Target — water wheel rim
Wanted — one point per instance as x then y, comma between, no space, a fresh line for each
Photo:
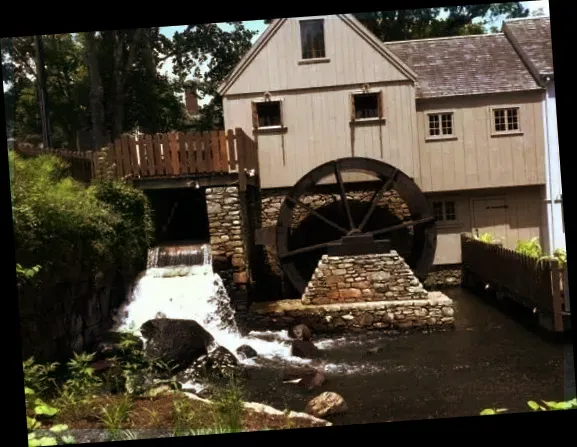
425,230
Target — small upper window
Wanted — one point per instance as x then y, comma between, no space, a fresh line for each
445,211
268,114
506,120
366,106
441,124
312,39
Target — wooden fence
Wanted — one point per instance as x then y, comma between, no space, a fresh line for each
164,155
536,284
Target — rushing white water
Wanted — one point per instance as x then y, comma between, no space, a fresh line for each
195,292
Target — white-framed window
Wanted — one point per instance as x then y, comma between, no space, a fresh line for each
445,210
440,124
506,119
312,39
367,106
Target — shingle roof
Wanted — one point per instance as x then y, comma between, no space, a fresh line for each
465,65
533,37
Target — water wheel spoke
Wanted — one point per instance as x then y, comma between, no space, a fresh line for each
344,195
303,250
403,225
317,214
376,197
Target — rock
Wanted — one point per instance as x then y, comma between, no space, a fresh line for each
304,349
374,350
177,343
218,364
246,351
300,332
326,404
308,378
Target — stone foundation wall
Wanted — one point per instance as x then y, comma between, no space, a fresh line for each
229,237
442,277
433,313
61,318
377,277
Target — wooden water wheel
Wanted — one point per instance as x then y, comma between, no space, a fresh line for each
355,224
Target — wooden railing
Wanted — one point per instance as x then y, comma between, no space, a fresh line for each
535,283
164,155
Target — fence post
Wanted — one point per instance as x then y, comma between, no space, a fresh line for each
557,304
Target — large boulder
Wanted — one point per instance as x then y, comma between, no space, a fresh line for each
178,343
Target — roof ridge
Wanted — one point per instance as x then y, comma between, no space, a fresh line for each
444,38
520,19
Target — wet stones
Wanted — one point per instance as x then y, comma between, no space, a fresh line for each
305,349
246,352
300,332
308,378
218,364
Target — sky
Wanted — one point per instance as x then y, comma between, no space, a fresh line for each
259,26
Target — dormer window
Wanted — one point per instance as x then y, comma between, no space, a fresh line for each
312,39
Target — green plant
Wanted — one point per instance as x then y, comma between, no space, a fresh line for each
533,405
229,405
487,238
39,377
26,274
82,382
116,414
531,248
44,412
184,417
55,436
561,256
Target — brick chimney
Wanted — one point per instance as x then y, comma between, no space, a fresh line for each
191,100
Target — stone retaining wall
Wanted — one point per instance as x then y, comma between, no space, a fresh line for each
443,276
376,277
229,237
433,313
62,318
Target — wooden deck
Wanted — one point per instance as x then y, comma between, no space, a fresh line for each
166,160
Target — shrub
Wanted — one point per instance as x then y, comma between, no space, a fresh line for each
63,226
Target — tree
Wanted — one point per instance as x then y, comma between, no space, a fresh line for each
218,51
438,22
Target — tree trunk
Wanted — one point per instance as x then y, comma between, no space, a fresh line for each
122,67
96,91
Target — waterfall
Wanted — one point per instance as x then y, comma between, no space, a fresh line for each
180,283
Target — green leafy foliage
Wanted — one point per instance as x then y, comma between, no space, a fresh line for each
82,382
38,378
535,406
446,21
109,224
